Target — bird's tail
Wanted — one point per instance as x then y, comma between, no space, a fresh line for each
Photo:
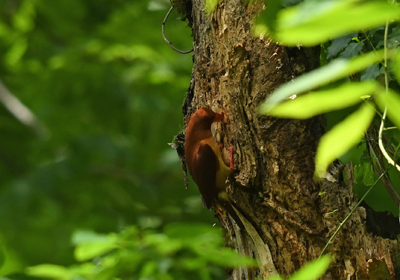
227,205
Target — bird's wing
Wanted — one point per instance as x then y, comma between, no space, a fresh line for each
205,166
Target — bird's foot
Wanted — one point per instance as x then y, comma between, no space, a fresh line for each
231,158
218,117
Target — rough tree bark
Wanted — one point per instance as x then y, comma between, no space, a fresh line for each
289,217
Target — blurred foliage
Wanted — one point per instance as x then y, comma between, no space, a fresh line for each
179,251
101,80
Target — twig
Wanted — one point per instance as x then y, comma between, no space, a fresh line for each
379,164
382,126
349,215
165,38
21,112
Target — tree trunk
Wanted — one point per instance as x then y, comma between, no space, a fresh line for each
289,217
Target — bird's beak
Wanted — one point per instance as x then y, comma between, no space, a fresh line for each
218,117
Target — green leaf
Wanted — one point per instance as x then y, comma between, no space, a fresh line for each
364,174
276,277
24,18
87,236
89,251
269,16
396,66
86,268
228,258
342,137
16,52
336,70
193,263
391,100
394,38
339,44
313,270
149,269
371,73
296,25
315,103
91,244
163,243
49,271
352,50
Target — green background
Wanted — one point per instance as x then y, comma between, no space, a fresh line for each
108,91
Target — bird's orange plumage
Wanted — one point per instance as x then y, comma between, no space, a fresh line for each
205,162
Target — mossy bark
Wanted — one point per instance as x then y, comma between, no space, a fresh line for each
289,217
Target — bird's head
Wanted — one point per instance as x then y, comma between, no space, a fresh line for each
204,117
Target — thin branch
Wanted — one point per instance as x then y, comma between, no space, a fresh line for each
378,165
349,215
21,112
165,38
382,126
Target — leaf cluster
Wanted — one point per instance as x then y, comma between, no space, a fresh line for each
178,252
357,84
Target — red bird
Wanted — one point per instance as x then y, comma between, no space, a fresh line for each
205,163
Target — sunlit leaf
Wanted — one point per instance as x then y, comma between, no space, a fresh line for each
84,268
162,243
342,137
148,269
276,277
336,70
390,100
23,19
149,222
396,66
315,103
193,263
89,251
313,270
87,236
15,53
296,25
91,245
49,271
228,258
269,16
